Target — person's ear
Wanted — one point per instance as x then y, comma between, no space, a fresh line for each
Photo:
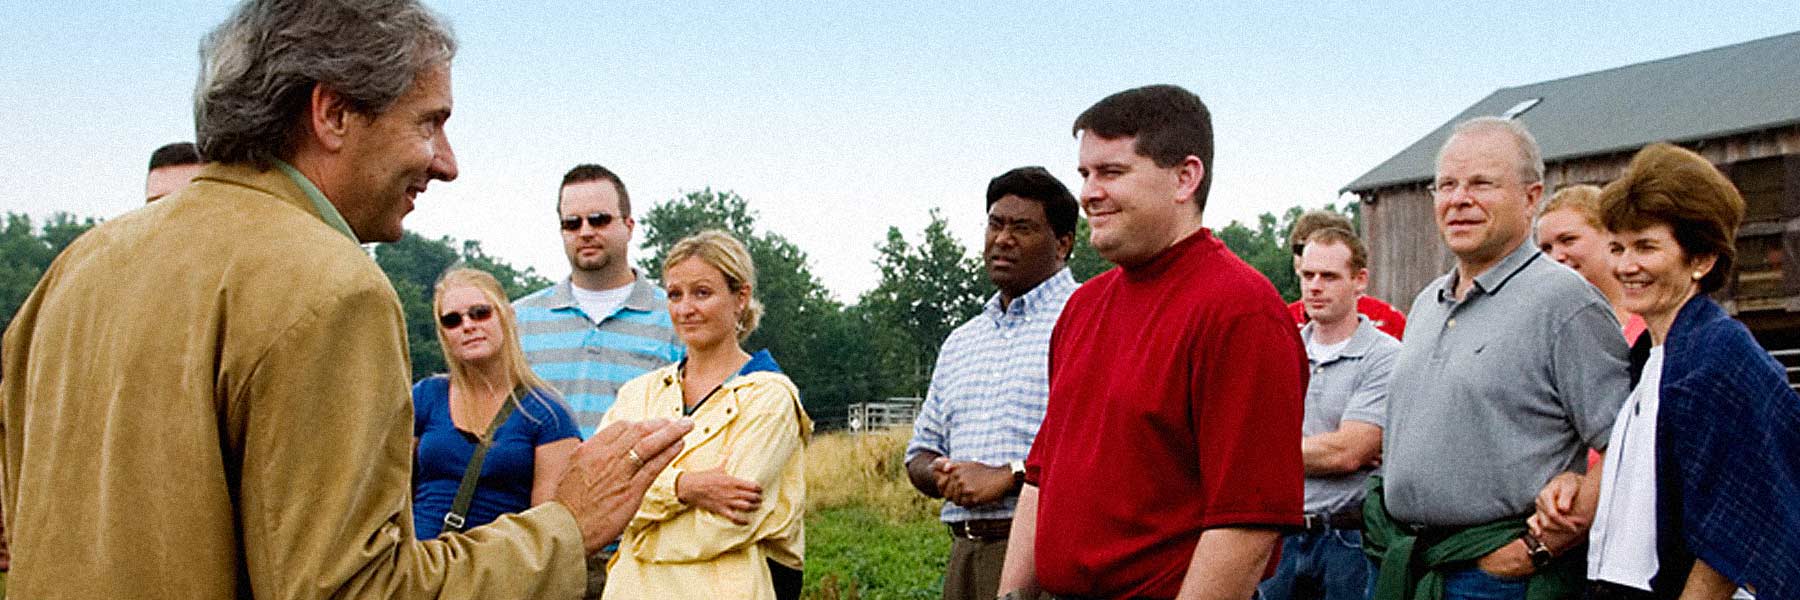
328,117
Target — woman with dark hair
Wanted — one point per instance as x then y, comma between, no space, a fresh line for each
1700,490
726,519
490,405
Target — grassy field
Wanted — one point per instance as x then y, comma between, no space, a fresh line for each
869,535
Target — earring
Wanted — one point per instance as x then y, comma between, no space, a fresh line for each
1698,275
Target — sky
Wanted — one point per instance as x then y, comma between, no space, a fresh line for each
838,120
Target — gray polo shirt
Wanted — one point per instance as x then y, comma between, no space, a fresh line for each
1494,395
1351,386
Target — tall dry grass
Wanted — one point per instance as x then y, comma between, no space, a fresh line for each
868,470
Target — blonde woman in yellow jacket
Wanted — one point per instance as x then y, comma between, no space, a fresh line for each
726,519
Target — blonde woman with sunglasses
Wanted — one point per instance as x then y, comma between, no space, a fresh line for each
490,398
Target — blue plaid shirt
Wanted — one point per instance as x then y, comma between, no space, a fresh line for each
990,387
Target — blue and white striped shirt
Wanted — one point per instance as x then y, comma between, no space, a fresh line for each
990,387
587,359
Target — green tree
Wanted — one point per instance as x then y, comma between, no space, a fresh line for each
1266,248
1085,263
926,290
62,229
26,252
694,212
413,265
818,345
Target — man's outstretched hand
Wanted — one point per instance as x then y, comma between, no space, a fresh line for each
609,473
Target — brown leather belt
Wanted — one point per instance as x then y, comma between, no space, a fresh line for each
1347,520
985,530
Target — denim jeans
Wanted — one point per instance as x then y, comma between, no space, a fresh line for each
1475,584
1327,564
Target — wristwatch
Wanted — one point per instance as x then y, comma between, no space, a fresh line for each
1540,554
1018,473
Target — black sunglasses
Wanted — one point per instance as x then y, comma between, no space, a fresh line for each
597,220
477,313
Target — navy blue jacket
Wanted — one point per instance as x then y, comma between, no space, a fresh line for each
1727,458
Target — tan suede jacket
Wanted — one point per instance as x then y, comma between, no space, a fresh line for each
207,398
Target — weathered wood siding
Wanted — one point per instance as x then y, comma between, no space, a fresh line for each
1405,252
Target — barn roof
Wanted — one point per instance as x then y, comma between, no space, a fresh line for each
1707,94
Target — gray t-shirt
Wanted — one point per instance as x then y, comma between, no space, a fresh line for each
1349,383
1494,395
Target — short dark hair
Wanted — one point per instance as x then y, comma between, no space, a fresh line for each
586,172
1170,124
174,155
1038,185
1359,254
1671,185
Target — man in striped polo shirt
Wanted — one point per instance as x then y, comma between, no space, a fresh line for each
988,391
605,324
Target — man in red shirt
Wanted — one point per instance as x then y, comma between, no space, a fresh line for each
1169,460
1382,314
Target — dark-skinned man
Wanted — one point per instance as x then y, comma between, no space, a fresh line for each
990,386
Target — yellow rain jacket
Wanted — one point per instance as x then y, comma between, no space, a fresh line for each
756,424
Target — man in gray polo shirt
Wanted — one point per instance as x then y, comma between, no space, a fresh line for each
1511,369
1346,405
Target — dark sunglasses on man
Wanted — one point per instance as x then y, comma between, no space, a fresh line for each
598,220
476,313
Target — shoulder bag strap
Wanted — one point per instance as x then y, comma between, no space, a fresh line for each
465,493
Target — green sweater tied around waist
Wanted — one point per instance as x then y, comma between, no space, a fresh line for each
1413,566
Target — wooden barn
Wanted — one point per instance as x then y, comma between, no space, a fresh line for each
1738,105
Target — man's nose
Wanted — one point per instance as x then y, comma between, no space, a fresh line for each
443,161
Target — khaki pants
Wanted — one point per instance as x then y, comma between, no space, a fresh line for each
973,572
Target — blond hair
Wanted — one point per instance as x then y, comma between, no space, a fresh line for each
721,251
511,354
1583,199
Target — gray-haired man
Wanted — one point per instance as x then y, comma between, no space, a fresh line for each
208,398
1511,369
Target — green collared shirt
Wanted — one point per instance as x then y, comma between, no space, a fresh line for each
326,211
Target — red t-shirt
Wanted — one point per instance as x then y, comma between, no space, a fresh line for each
1176,392
1382,314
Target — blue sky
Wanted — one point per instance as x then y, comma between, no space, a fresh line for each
838,120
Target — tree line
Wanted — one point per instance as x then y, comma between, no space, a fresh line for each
882,345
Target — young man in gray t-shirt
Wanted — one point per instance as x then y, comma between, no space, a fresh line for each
1346,406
